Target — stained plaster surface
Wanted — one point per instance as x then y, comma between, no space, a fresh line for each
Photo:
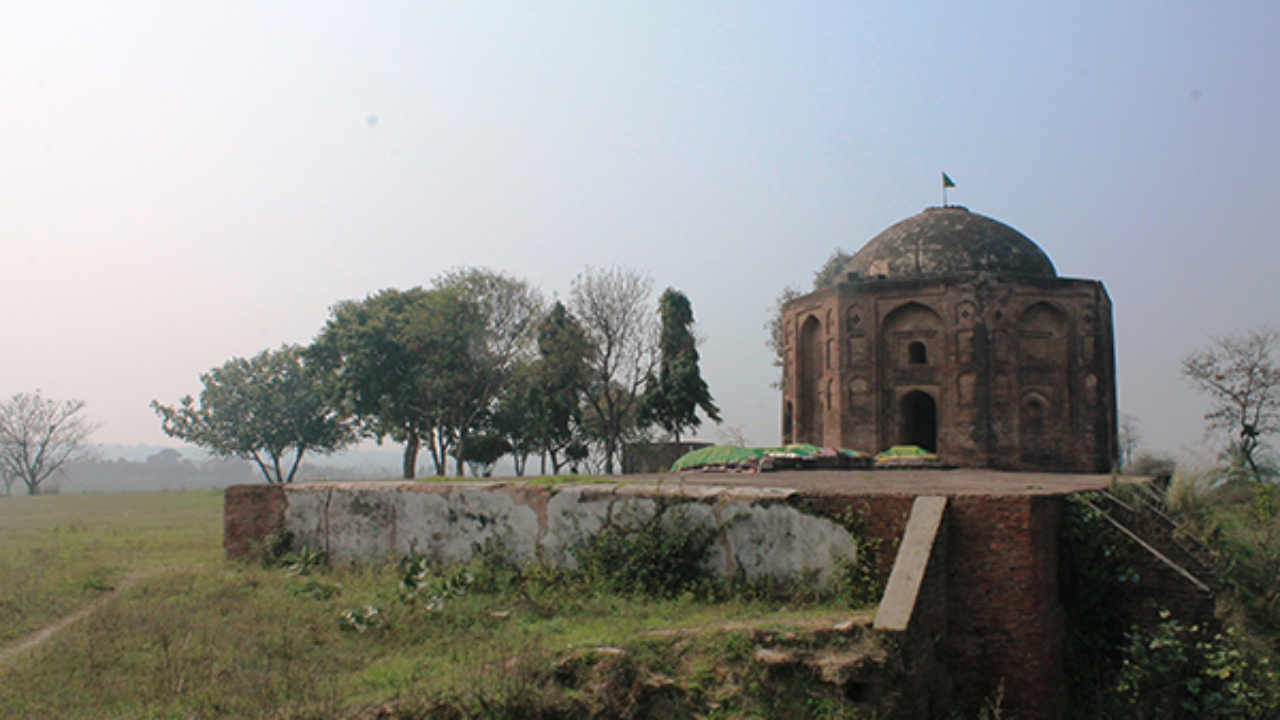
762,534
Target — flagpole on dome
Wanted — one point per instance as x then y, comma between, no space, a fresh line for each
946,183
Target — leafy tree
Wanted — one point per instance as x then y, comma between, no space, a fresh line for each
428,365
776,340
400,361
38,436
515,417
672,399
558,377
482,450
540,410
611,306
267,409
832,271
508,311
1240,374
454,380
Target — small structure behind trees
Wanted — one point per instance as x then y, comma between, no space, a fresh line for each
38,437
268,409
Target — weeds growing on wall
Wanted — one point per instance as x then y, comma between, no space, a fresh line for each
660,554
1095,574
861,576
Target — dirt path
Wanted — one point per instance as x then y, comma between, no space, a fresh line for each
39,637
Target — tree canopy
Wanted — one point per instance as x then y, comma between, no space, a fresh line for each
428,365
673,398
392,362
268,409
559,376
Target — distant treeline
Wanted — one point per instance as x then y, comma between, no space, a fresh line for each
168,469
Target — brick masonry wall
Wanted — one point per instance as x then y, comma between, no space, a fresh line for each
884,518
250,514
1006,621
1006,618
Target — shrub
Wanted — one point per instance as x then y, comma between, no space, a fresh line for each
663,554
1177,672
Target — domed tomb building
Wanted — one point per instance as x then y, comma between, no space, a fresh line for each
953,332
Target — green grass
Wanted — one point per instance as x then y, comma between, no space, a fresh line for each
205,637
59,552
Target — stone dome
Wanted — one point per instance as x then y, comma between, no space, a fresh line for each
949,240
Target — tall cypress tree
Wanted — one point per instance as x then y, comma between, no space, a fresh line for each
673,398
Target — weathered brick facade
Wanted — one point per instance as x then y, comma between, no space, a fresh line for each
250,514
1005,617
953,332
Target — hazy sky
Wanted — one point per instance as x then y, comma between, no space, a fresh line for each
184,182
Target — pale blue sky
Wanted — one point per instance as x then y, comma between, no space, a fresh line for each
181,183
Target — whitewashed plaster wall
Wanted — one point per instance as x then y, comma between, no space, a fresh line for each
762,534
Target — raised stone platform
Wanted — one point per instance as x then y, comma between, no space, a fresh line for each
971,556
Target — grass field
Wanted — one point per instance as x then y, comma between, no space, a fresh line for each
59,552
198,636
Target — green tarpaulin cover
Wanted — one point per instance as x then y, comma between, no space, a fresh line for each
905,451
717,455
735,455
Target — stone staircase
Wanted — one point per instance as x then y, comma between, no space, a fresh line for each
1176,571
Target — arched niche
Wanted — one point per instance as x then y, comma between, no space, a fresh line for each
912,334
809,366
1043,337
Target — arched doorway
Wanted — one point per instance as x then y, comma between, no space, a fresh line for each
808,376
919,413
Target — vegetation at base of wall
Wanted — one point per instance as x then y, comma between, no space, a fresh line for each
861,578
1095,573
1172,670
1240,520
1175,672
660,554
293,637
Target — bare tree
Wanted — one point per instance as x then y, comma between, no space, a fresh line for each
1130,437
38,436
1240,375
613,308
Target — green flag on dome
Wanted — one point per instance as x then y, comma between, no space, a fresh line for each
947,181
